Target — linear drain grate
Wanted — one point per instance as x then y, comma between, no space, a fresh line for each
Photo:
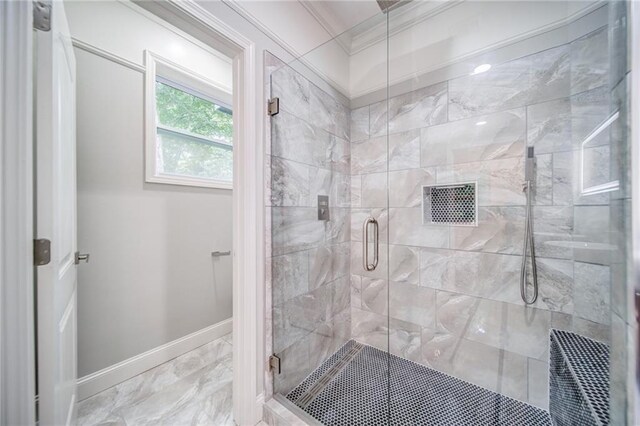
307,397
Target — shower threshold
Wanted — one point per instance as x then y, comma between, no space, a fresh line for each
351,388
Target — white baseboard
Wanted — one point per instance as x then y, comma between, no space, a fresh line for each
107,377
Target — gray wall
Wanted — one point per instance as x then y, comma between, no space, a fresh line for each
454,291
151,278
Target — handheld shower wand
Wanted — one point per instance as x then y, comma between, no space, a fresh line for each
528,234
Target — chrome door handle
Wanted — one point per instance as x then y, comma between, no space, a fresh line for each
220,253
365,244
81,258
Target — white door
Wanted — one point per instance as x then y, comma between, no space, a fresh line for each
56,220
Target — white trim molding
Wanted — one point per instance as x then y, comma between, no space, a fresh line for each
248,212
17,348
107,377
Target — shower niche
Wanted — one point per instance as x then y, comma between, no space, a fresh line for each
451,204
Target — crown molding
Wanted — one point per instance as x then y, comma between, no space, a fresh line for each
320,13
402,19
236,5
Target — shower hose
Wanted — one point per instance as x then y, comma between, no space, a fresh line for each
528,243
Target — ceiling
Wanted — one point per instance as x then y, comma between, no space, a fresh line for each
303,25
426,35
339,16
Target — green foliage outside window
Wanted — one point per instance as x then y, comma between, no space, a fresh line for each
186,156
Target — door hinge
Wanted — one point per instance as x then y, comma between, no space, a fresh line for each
37,411
41,252
42,15
274,364
273,106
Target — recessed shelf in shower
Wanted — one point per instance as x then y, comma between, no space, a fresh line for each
450,204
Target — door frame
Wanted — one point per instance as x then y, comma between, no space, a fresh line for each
17,334
17,339
248,213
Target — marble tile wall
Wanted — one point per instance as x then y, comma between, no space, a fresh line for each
309,259
452,293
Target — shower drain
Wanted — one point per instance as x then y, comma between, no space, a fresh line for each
306,398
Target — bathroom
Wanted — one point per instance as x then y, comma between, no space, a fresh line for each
433,219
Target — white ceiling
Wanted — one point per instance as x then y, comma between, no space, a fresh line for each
302,25
339,16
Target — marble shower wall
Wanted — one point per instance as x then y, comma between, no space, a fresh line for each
454,300
309,259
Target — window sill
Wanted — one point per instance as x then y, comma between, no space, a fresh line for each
190,181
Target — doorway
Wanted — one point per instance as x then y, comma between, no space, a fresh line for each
154,173
155,161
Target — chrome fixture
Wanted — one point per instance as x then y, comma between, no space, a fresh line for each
387,5
220,253
78,257
41,252
365,244
528,235
323,207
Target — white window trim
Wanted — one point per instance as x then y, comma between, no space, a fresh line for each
156,66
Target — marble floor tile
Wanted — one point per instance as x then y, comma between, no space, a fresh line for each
194,388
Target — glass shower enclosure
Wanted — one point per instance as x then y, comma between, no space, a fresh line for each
407,157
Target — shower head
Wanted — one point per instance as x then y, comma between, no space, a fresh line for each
387,5
529,165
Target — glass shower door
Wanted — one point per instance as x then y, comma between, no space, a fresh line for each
327,206
489,121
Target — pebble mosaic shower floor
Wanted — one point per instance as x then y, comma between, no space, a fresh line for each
357,393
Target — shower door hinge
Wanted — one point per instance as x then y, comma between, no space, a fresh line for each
274,364
42,15
41,252
273,106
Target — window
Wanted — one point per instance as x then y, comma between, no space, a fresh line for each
189,128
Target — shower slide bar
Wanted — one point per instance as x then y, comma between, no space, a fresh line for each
528,234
